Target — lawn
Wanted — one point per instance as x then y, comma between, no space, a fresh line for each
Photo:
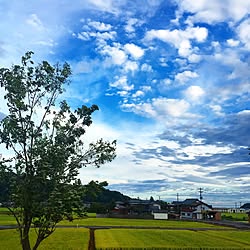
170,239
136,222
61,239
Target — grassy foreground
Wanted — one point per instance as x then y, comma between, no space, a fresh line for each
170,239
61,239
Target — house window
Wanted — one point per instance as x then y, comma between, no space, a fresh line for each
183,214
188,214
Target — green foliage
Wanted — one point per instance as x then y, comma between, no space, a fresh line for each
47,145
234,216
101,199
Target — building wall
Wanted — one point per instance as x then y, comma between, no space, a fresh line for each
160,216
188,215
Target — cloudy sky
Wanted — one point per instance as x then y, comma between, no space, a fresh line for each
171,79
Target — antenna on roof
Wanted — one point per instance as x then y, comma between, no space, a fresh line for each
177,197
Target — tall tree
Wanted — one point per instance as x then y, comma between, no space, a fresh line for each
47,145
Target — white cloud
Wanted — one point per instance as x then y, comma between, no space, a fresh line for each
135,51
185,76
122,83
213,10
185,48
146,88
132,23
244,34
194,58
233,43
181,40
194,93
176,37
130,66
146,67
117,55
100,26
171,107
217,109
160,108
107,5
35,22
138,93
206,150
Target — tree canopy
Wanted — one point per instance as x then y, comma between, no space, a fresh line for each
47,145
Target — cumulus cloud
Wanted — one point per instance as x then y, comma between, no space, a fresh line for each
194,93
185,76
146,67
160,108
117,55
122,84
130,66
135,51
176,37
214,11
233,43
243,33
100,26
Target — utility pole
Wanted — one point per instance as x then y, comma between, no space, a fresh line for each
201,191
201,198
178,208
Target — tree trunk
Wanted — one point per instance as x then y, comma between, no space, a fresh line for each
38,241
26,243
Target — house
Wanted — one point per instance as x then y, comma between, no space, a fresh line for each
190,209
245,207
194,209
136,207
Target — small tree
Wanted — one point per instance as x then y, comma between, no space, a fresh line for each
48,148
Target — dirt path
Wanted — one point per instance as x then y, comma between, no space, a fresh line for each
91,239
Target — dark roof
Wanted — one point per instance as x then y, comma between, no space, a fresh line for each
190,202
246,206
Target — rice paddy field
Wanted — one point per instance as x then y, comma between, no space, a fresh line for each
136,223
170,239
179,235
61,239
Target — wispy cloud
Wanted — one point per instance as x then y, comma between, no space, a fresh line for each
171,79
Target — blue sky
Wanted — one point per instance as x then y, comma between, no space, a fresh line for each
171,79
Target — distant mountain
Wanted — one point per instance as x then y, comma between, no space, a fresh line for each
107,196
96,192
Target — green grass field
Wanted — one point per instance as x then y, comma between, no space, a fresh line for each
136,222
6,219
61,239
170,239
235,216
